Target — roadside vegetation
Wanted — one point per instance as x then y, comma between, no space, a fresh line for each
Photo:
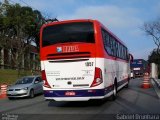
152,29
19,29
9,76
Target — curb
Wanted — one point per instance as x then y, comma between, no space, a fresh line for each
156,87
157,82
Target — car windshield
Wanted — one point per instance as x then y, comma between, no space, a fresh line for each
25,80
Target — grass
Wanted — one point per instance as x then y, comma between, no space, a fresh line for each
9,76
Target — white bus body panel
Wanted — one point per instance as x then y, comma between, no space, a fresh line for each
59,74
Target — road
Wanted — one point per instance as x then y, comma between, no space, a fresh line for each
132,100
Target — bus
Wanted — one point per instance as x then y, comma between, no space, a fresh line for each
82,60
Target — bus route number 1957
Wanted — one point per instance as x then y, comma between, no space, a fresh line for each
89,64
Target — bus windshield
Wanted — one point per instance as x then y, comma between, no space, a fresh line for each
68,32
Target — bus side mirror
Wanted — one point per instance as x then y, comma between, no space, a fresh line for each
131,58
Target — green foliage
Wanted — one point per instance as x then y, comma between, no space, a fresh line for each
154,57
19,22
10,76
152,29
19,27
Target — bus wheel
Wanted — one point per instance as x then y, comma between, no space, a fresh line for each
114,95
126,86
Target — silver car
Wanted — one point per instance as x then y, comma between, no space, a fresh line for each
26,86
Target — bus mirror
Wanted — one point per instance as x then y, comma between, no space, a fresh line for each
131,58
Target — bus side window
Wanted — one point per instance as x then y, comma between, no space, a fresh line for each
117,54
114,47
108,45
107,42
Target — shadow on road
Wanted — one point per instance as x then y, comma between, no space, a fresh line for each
76,103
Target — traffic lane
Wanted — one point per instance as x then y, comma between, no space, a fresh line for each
17,103
140,100
130,100
39,106
53,107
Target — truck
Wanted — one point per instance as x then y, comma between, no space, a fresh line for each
139,67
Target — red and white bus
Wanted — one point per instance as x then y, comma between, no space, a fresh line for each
82,60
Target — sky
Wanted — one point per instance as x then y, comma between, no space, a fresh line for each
125,18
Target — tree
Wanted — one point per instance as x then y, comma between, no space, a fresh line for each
15,21
39,21
153,29
19,27
154,57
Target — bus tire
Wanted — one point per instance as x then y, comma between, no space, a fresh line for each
114,95
127,85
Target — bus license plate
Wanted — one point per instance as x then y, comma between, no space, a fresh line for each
68,93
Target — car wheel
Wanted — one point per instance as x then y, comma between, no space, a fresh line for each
32,93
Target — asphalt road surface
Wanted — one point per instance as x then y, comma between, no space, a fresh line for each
131,103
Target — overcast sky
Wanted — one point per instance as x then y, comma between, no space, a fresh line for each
123,17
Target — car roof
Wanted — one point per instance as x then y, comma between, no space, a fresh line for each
33,76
